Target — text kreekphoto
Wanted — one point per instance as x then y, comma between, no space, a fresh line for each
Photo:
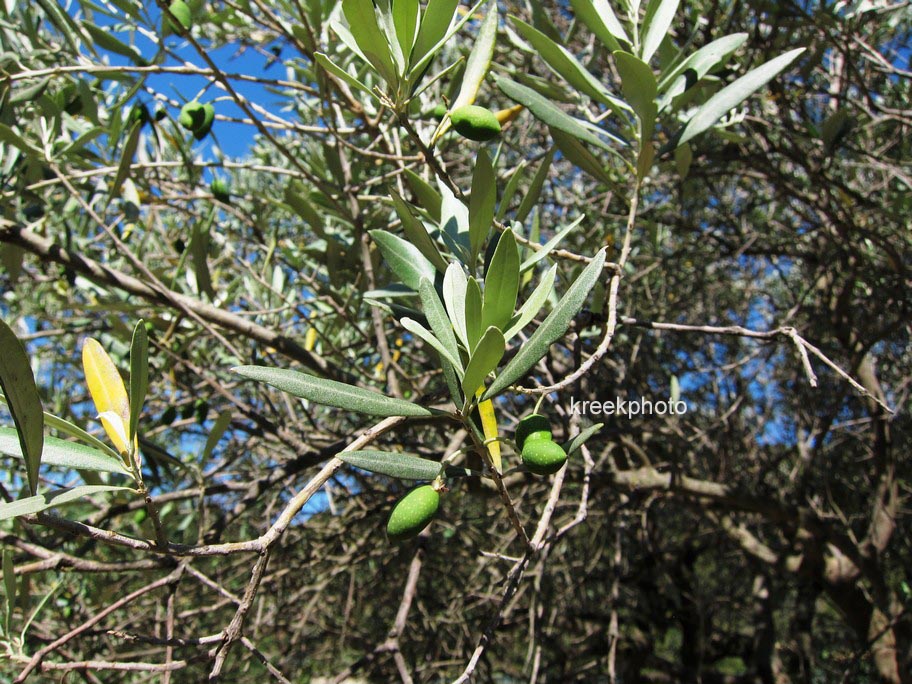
627,407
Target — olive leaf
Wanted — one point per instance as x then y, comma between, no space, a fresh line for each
565,64
485,357
481,203
58,452
552,327
581,437
21,392
416,232
533,304
732,95
394,464
602,21
454,297
332,393
439,321
403,258
139,374
501,283
42,502
659,15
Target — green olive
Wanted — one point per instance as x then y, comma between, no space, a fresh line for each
413,513
220,191
183,14
541,455
197,118
475,123
533,423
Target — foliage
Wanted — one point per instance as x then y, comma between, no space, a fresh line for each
655,204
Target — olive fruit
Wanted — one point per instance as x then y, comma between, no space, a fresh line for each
197,118
183,14
540,454
437,112
220,191
475,123
412,513
529,425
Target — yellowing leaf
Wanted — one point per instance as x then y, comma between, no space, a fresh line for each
489,425
108,392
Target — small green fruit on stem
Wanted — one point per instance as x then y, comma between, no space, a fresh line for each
413,513
197,118
220,191
475,123
540,454
183,14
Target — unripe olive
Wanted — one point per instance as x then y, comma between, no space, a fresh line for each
475,123
437,111
183,14
531,424
541,455
138,114
197,118
220,191
412,513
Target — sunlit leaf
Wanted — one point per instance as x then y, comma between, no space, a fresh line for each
551,329
22,398
332,393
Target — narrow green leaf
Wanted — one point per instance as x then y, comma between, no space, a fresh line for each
421,63
104,39
60,497
387,25
362,22
601,20
533,304
434,24
222,423
427,197
530,199
567,66
405,19
417,233
510,190
549,113
332,393
403,258
9,582
58,452
659,15
574,444
454,297
574,151
639,87
139,374
438,320
549,246
126,158
473,304
479,58
734,94
339,72
482,203
691,70
551,329
420,331
24,402
501,283
393,464
487,354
